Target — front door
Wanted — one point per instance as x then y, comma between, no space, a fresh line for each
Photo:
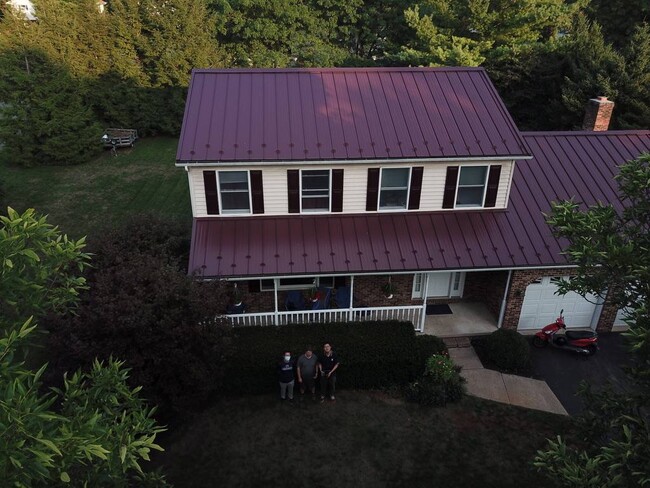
439,285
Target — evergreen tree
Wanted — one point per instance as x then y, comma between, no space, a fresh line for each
469,32
279,33
619,19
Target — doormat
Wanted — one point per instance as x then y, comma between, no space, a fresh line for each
441,309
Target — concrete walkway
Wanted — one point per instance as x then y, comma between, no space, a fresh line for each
500,387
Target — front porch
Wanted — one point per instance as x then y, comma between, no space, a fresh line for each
473,297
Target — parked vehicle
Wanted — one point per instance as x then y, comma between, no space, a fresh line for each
582,342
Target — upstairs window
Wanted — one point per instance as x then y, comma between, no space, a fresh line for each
394,188
234,192
471,186
315,190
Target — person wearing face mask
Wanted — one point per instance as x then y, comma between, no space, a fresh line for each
286,376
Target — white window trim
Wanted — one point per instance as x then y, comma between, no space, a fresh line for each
316,212
315,282
418,282
408,190
224,212
487,177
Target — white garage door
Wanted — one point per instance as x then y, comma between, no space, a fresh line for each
542,306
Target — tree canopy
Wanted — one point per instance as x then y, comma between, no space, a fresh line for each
93,431
611,249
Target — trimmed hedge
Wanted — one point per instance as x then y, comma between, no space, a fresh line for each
508,350
372,354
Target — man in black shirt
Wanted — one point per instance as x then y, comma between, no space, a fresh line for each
327,366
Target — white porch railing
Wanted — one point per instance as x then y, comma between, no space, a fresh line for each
411,314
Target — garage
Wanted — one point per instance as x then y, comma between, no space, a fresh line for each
542,306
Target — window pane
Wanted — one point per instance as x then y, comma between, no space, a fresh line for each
233,180
235,201
392,199
472,196
267,285
312,180
395,178
321,203
472,175
296,281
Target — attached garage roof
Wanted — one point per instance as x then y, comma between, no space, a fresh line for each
566,164
328,114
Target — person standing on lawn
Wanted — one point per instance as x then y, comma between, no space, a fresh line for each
328,365
286,376
307,370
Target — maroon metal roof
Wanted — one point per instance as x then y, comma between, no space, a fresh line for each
565,165
345,113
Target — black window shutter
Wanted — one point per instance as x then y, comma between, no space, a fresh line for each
257,192
337,190
493,185
450,187
416,187
373,189
293,184
210,186
254,286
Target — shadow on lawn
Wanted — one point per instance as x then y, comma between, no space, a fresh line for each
364,439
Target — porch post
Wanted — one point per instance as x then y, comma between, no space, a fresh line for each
425,293
350,312
502,312
275,292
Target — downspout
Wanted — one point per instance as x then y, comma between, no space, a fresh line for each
275,292
423,317
502,312
351,313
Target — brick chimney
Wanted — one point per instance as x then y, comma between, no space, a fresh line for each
598,114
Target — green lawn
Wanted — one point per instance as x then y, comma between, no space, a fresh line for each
365,439
83,199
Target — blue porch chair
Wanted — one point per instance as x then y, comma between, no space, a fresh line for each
343,297
294,301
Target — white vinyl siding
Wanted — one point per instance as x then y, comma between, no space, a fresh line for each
355,183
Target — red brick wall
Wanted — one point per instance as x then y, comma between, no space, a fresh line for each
368,291
486,287
607,316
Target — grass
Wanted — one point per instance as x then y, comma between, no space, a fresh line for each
365,439
83,199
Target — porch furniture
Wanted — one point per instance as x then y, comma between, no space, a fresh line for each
233,309
343,297
324,301
294,301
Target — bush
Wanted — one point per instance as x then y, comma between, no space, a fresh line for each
440,384
141,308
508,350
372,354
425,347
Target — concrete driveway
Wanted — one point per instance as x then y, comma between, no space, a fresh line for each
564,370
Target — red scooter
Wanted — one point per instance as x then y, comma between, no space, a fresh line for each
582,342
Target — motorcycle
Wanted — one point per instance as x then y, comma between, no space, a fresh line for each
581,342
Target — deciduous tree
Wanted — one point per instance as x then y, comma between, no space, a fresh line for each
611,249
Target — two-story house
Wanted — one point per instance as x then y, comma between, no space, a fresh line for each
403,193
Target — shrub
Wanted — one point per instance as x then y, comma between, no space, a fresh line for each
440,384
425,347
141,308
372,354
508,350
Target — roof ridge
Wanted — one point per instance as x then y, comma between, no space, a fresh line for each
334,69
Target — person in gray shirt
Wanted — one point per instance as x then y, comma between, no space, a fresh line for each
307,370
